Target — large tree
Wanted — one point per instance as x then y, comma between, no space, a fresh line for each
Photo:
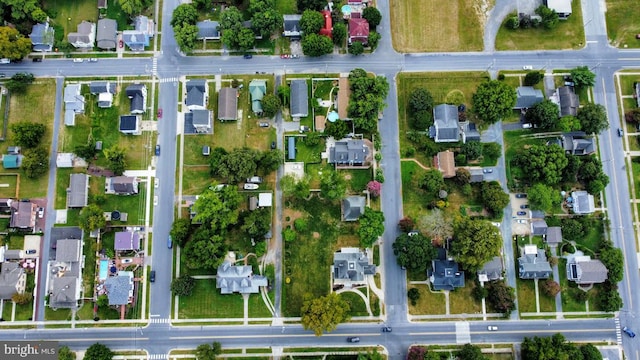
470,352
231,26
501,296
35,162
371,227
472,150
554,347
549,17
132,7
311,22
13,45
333,186
208,351
184,14
316,45
339,33
431,181
368,95
183,285
324,313
493,100
257,223
356,48
569,123
65,353
436,225
98,351
543,163
591,175
544,115
236,165
28,134
186,37
266,19
593,118
116,156
583,77
613,260
205,250
338,129
91,218
543,197
180,231
218,208
19,82
372,15
420,100
493,197
475,242
414,252
271,104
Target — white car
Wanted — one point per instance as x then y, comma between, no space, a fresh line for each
155,183
127,261
78,60
492,328
527,67
251,186
155,200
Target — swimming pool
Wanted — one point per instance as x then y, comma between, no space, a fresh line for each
104,267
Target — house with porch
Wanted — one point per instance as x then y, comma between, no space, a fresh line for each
351,268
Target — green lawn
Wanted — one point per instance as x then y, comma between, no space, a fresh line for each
635,170
356,304
568,34
305,153
133,205
60,314
193,149
69,13
626,82
526,295
207,302
621,31
8,186
114,11
568,289
358,179
413,198
322,89
462,302
286,7
429,303
195,179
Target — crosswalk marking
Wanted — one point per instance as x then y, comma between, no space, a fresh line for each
157,356
618,332
167,80
463,334
154,69
159,321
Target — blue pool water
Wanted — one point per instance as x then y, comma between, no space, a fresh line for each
104,267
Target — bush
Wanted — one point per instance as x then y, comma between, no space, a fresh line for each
512,23
414,295
501,77
260,248
479,292
532,78
183,286
379,176
289,235
550,287
301,225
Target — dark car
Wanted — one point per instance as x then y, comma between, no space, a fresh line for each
152,276
525,206
353,339
170,242
386,329
620,133
273,145
248,56
3,75
30,251
522,213
37,60
157,150
629,332
521,196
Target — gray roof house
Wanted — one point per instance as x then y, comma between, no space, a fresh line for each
554,235
350,152
533,264
105,91
140,37
208,30
292,26
197,94
42,37
561,7
477,175
527,96
537,214
121,185
107,34
127,240
299,102
85,37
78,191
23,215
200,119
65,274
538,227
583,203
13,280
120,288
257,89
446,127
137,93
68,250
291,148
350,267
238,279
491,270
353,207
445,275
228,104
585,271
130,124
578,143
73,103
569,101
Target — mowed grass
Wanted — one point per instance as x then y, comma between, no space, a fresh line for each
35,105
429,303
455,26
356,304
206,302
621,30
462,302
70,13
8,185
286,6
413,200
568,34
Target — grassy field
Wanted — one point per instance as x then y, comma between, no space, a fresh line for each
35,105
526,295
358,179
356,304
195,179
70,13
207,302
462,302
8,185
458,26
413,201
568,34
621,31
429,303
568,289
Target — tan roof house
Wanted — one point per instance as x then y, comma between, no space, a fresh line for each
445,162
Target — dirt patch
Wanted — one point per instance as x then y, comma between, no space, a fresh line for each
316,235
290,214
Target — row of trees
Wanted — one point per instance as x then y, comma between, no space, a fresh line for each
548,19
557,347
240,163
368,94
591,118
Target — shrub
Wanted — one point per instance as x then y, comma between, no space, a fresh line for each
289,235
414,295
301,225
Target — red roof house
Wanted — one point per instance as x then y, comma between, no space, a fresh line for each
358,30
328,26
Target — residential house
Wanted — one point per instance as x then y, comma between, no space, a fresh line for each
353,207
582,202
469,131
491,270
228,104
200,119
208,30
561,7
350,152
105,91
578,143
327,28
344,93
257,90
533,264
299,102
42,37
78,191
23,215
64,284
137,93
358,30
539,227
238,279
13,280
537,214
64,160
445,274
130,124
85,37
477,175
197,94
445,162
11,161
351,267
140,37
12,254
121,185
73,103
554,235
127,240
265,200
102,4
446,127
586,272
107,34
292,26
568,101
119,288
291,148
527,96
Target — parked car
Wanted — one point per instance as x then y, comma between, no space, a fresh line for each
37,60
5,61
255,180
522,213
127,261
629,332
248,56
158,150
170,242
487,171
521,196
527,67
526,126
264,124
40,213
3,75
155,200
353,339
30,251
386,329
620,132
93,60
152,276
521,221
251,186
159,116
492,328
121,44
295,56
284,56
525,206
77,60
156,182
569,83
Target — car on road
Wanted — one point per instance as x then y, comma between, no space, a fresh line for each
386,329
284,56
158,150
121,44
569,83
37,60
522,213
264,124
492,328
156,182
170,242
30,251
3,75
155,200
487,171
295,56
527,67
77,60
93,60
152,276
629,332
353,339
620,132
525,206
521,196
159,116
248,56
251,186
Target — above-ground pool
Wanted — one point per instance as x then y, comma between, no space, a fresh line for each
104,267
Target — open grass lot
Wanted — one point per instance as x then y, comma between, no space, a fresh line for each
635,170
8,185
357,179
568,34
133,205
286,6
207,302
456,27
429,303
195,179
257,307
626,81
462,302
413,201
620,29
35,105
568,288
306,153
526,295
70,13
356,304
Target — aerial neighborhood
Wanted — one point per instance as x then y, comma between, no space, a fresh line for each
204,179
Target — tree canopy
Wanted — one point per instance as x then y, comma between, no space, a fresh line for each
271,104
28,134
324,313
356,48
98,351
13,45
184,14
186,37
368,95
583,77
493,100
543,197
493,197
551,348
183,285
65,353
613,260
549,17
532,78
256,223
311,4
415,252
501,296
316,45
470,352
475,242
180,231
217,208
371,227
333,186
19,82
311,22
242,163
205,250
91,218
116,156
593,118
436,225
339,33
543,163
35,162
266,19
431,181
372,15
544,115
208,351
